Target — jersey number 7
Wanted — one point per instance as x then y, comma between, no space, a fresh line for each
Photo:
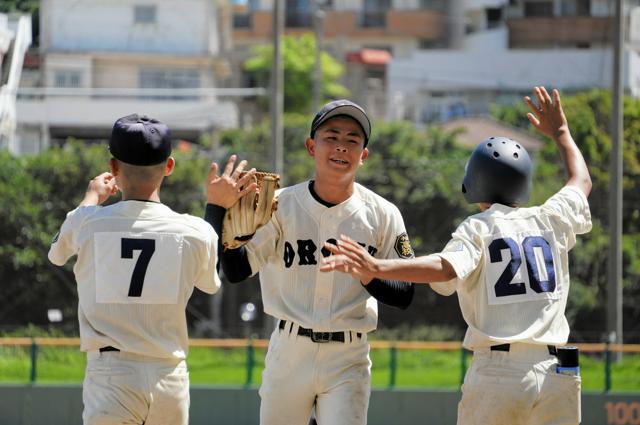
146,247
503,287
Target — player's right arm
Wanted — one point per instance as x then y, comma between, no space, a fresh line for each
349,257
549,118
64,245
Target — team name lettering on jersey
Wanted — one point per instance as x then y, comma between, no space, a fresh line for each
306,251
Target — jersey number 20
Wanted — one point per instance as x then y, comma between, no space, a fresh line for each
503,286
146,247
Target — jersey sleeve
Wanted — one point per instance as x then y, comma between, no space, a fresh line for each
262,247
64,244
208,280
570,209
395,241
464,253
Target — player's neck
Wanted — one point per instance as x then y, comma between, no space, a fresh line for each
141,194
332,191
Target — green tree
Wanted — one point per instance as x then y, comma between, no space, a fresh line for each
298,58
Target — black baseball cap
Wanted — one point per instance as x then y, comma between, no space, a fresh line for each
342,107
140,140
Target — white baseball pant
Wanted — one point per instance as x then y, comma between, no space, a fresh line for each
298,372
518,387
124,388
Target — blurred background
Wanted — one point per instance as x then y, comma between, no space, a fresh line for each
436,76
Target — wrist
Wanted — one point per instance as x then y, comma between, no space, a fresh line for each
561,132
91,198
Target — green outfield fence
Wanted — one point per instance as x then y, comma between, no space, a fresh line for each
393,347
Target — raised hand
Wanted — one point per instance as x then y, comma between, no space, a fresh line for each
100,188
548,116
226,189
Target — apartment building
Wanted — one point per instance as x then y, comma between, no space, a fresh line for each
15,39
509,46
103,59
362,34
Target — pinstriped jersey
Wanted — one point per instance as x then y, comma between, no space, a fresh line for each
288,252
137,265
513,270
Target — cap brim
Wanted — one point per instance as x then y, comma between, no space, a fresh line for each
350,111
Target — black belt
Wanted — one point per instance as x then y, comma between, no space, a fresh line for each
506,347
318,336
108,348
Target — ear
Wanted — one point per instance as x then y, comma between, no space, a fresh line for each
310,144
365,155
114,167
169,166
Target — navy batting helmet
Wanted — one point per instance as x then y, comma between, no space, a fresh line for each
498,171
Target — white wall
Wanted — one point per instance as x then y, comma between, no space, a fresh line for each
429,80
181,27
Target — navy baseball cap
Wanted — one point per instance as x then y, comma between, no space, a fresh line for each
342,107
140,140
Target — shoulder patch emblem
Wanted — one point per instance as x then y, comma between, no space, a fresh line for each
403,246
55,238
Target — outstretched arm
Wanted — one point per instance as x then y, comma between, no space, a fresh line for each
548,117
349,257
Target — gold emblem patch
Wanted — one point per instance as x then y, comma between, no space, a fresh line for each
403,246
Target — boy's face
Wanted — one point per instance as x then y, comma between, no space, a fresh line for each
338,147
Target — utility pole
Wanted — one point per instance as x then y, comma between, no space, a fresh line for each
277,87
277,109
614,292
318,21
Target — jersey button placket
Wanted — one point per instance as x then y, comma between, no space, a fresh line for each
324,281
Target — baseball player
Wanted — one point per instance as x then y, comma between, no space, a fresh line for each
137,264
509,266
318,352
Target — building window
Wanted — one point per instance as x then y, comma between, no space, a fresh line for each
66,78
298,14
438,5
375,13
144,14
428,44
494,17
170,79
538,8
242,20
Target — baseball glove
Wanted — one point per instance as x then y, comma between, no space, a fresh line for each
251,212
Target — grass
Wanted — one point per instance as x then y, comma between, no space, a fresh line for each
415,369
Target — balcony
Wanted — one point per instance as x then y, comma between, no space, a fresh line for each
566,31
423,24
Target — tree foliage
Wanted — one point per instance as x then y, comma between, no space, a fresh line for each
298,58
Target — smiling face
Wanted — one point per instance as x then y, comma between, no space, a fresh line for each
338,149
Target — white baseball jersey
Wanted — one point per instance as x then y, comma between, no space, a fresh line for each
288,252
513,271
137,265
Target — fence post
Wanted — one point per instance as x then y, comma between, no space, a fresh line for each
34,360
607,368
393,364
463,364
250,363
